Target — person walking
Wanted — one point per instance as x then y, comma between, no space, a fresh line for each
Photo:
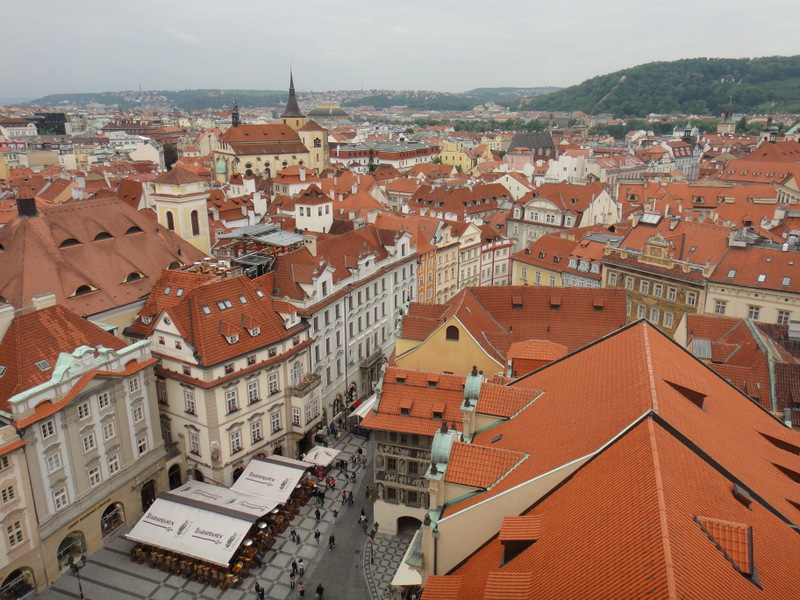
291,581
320,591
262,593
257,590
350,499
317,515
344,498
301,588
301,568
353,477
316,536
331,542
335,514
294,567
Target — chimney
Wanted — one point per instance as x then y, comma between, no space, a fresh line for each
310,242
302,174
787,417
26,207
6,316
43,301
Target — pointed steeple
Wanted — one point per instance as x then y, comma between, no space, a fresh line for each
235,113
292,109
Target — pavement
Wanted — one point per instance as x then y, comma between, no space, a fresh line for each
348,572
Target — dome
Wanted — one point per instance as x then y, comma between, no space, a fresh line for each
328,112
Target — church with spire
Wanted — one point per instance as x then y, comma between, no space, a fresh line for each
264,149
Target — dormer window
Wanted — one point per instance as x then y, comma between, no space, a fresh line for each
254,331
232,339
405,411
146,320
133,276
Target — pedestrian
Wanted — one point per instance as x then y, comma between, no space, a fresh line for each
293,535
322,497
301,588
257,590
331,542
363,517
335,514
346,477
320,591
262,593
301,567
317,515
344,498
360,451
353,460
294,566
291,581
353,477
316,536
259,560
350,499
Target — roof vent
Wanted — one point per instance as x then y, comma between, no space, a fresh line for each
497,438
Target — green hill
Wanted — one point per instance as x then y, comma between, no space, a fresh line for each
700,86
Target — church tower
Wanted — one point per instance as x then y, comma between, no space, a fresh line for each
292,115
235,120
180,199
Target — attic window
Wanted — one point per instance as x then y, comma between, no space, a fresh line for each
146,320
432,383
242,299
69,242
405,411
179,293
516,302
254,331
762,277
232,339
555,302
103,235
598,304
731,273
224,304
400,380
134,276
174,265
786,281
697,398
735,541
167,290
43,365
437,416
132,230
84,289
692,249
206,310
451,333
793,475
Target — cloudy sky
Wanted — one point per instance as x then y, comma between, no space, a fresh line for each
53,46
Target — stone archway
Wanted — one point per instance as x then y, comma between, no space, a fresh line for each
175,477
278,450
19,583
408,525
198,475
71,546
148,494
237,473
112,519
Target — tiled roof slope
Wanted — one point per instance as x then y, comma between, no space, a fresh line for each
206,332
113,241
641,537
479,466
649,372
763,268
42,335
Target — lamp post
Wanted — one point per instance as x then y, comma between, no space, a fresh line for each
435,533
371,541
76,570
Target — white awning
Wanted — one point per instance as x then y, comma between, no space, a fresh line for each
273,477
319,455
216,496
405,575
191,531
365,407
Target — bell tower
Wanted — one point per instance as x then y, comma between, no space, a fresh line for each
292,115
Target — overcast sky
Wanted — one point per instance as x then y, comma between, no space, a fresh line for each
53,46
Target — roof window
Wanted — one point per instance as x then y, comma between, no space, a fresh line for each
69,242
731,273
84,289
103,235
43,365
2,370
224,304
206,310
167,290
179,293
132,230
735,541
786,281
259,293
242,299
134,276
762,277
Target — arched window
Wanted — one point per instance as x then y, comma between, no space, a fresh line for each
170,221
451,333
133,276
195,223
317,143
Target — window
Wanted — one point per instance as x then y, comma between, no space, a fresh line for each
194,443
7,494
178,345
552,280
391,464
612,279
312,410
170,221
655,315
236,441
83,411
672,294
60,498
48,429
719,307
94,476
113,464
668,317
187,370
295,416
273,383
4,462
537,277
162,340
54,462
14,534
255,431
133,384
391,494
783,317
191,407
252,392
452,333
89,442
251,360
108,431
657,290
275,420
753,312
228,368
691,298
231,401
103,400
629,283
141,444
644,287
642,311
272,352
138,414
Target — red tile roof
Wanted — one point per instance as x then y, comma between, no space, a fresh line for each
479,466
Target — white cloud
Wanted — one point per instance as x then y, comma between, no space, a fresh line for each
181,36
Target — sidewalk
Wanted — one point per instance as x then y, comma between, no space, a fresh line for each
346,572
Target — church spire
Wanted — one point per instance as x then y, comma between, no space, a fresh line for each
292,108
235,113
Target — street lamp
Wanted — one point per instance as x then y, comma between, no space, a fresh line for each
371,541
76,570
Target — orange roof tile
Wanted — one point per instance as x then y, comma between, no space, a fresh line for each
479,466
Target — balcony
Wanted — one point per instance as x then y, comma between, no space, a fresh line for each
372,360
172,449
310,382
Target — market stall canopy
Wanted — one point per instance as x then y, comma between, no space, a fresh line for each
251,507
273,477
321,456
190,530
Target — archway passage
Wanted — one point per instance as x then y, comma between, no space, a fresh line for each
198,475
174,475
73,545
408,526
278,450
113,518
237,473
148,494
19,583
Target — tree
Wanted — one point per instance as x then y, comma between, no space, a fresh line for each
170,155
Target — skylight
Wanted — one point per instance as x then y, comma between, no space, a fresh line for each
224,304
206,310
179,293
43,365
242,299
167,290
762,277
731,273
786,281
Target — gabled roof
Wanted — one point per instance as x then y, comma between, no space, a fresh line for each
479,466
41,335
760,268
178,176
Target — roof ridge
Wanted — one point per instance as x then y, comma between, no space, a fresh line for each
669,565
650,370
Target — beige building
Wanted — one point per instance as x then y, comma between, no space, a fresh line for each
180,199
84,407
